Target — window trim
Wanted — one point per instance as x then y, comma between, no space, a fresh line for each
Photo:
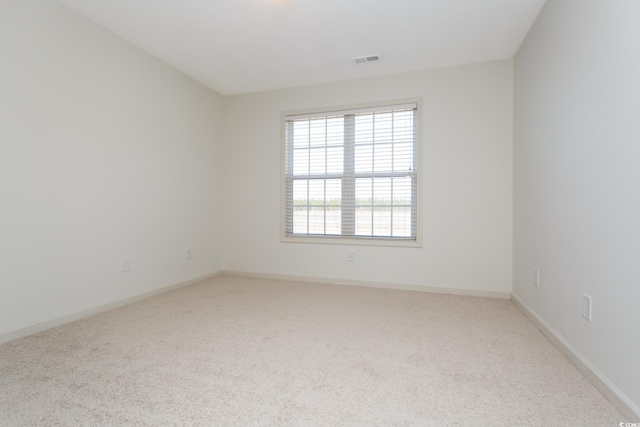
352,240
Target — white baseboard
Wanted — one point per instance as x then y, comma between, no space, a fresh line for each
52,322
383,285
617,398
44,324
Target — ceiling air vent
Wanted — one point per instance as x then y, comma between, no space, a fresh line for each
357,60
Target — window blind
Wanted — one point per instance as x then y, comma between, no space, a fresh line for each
352,173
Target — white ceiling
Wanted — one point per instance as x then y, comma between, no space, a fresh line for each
242,46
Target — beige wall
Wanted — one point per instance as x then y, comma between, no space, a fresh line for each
466,178
105,152
576,180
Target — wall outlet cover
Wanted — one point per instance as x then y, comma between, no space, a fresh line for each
586,307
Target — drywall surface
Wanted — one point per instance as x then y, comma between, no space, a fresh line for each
105,153
466,181
576,180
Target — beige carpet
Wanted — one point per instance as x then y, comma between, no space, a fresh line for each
243,352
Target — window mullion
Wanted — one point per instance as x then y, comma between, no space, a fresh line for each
373,169
348,179
308,172
324,201
393,146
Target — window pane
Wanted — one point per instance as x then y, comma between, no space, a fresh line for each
317,132
334,220
403,126
316,220
382,158
300,162
383,127
300,220
335,160
402,191
334,192
382,191
316,192
300,195
364,129
334,206
402,157
317,161
382,222
363,221
364,192
301,133
363,158
335,131
402,222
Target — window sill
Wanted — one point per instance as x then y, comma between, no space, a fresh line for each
359,241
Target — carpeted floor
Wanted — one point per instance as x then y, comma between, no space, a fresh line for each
246,352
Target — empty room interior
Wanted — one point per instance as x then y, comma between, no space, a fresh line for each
302,212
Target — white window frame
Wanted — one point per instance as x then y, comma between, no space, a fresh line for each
353,240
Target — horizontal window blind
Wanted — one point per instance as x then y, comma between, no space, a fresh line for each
352,174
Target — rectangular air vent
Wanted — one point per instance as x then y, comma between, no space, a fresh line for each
365,59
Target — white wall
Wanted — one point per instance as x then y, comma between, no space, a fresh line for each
577,179
467,182
105,152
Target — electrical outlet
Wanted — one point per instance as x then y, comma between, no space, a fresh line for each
351,255
536,277
188,253
586,307
126,264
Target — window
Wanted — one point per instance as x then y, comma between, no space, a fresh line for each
352,175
